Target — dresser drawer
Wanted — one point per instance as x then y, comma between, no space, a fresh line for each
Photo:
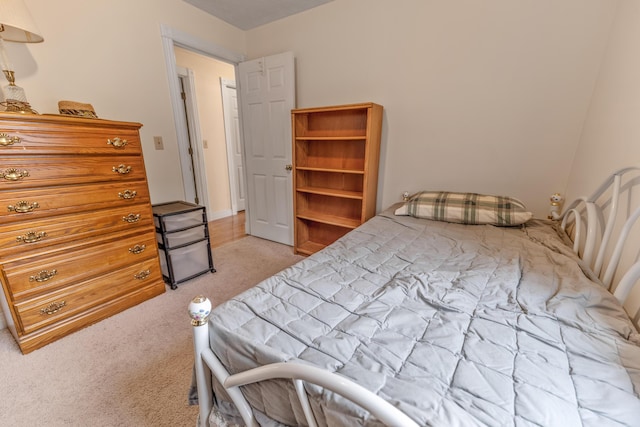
24,138
31,204
25,172
57,269
36,313
20,240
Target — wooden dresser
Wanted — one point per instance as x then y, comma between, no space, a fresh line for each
77,239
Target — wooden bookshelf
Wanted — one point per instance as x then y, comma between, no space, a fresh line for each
336,151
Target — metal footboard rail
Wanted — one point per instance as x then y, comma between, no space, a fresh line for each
206,363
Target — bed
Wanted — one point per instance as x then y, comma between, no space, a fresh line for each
411,321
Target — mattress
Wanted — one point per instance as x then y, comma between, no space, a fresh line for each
456,325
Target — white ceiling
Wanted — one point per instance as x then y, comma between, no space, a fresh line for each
248,14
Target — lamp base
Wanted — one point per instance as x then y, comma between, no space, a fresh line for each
13,106
15,100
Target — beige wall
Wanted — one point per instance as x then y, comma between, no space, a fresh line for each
479,96
485,96
109,53
207,73
611,136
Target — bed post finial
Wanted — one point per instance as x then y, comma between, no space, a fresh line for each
556,206
199,310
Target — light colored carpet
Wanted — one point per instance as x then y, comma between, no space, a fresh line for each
134,368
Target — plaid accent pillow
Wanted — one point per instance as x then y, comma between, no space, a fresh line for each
466,208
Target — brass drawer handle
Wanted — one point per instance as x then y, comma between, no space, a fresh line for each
13,174
131,218
23,207
128,194
142,275
31,237
6,140
117,142
43,276
52,308
121,169
137,249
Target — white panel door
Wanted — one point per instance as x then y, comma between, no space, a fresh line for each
267,96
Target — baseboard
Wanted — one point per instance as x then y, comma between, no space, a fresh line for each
212,216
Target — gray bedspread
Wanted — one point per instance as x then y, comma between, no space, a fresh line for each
456,325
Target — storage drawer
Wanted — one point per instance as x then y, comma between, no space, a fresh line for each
63,268
30,204
183,237
42,311
78,139
186,262
22,172
18,240
180,221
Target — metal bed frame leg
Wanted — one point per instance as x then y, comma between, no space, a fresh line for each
206,364
199,310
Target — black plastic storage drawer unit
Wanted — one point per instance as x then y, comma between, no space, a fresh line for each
183,241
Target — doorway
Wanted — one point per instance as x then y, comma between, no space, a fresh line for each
267,95
172,38
203,150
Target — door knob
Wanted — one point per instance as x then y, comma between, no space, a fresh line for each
288,167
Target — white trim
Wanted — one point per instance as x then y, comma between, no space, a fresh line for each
219,214
193,43
200,168
231,84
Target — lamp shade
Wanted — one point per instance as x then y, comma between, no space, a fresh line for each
18,23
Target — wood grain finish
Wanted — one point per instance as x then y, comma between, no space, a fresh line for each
228,229
77,241
336,151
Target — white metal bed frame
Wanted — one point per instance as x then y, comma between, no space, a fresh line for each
585,217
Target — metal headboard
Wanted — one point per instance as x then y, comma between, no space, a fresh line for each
600,231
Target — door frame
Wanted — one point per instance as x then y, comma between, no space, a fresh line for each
172,37
194,133
233,185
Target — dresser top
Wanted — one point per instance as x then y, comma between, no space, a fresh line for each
60,119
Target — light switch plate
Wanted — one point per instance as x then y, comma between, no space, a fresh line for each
157,142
